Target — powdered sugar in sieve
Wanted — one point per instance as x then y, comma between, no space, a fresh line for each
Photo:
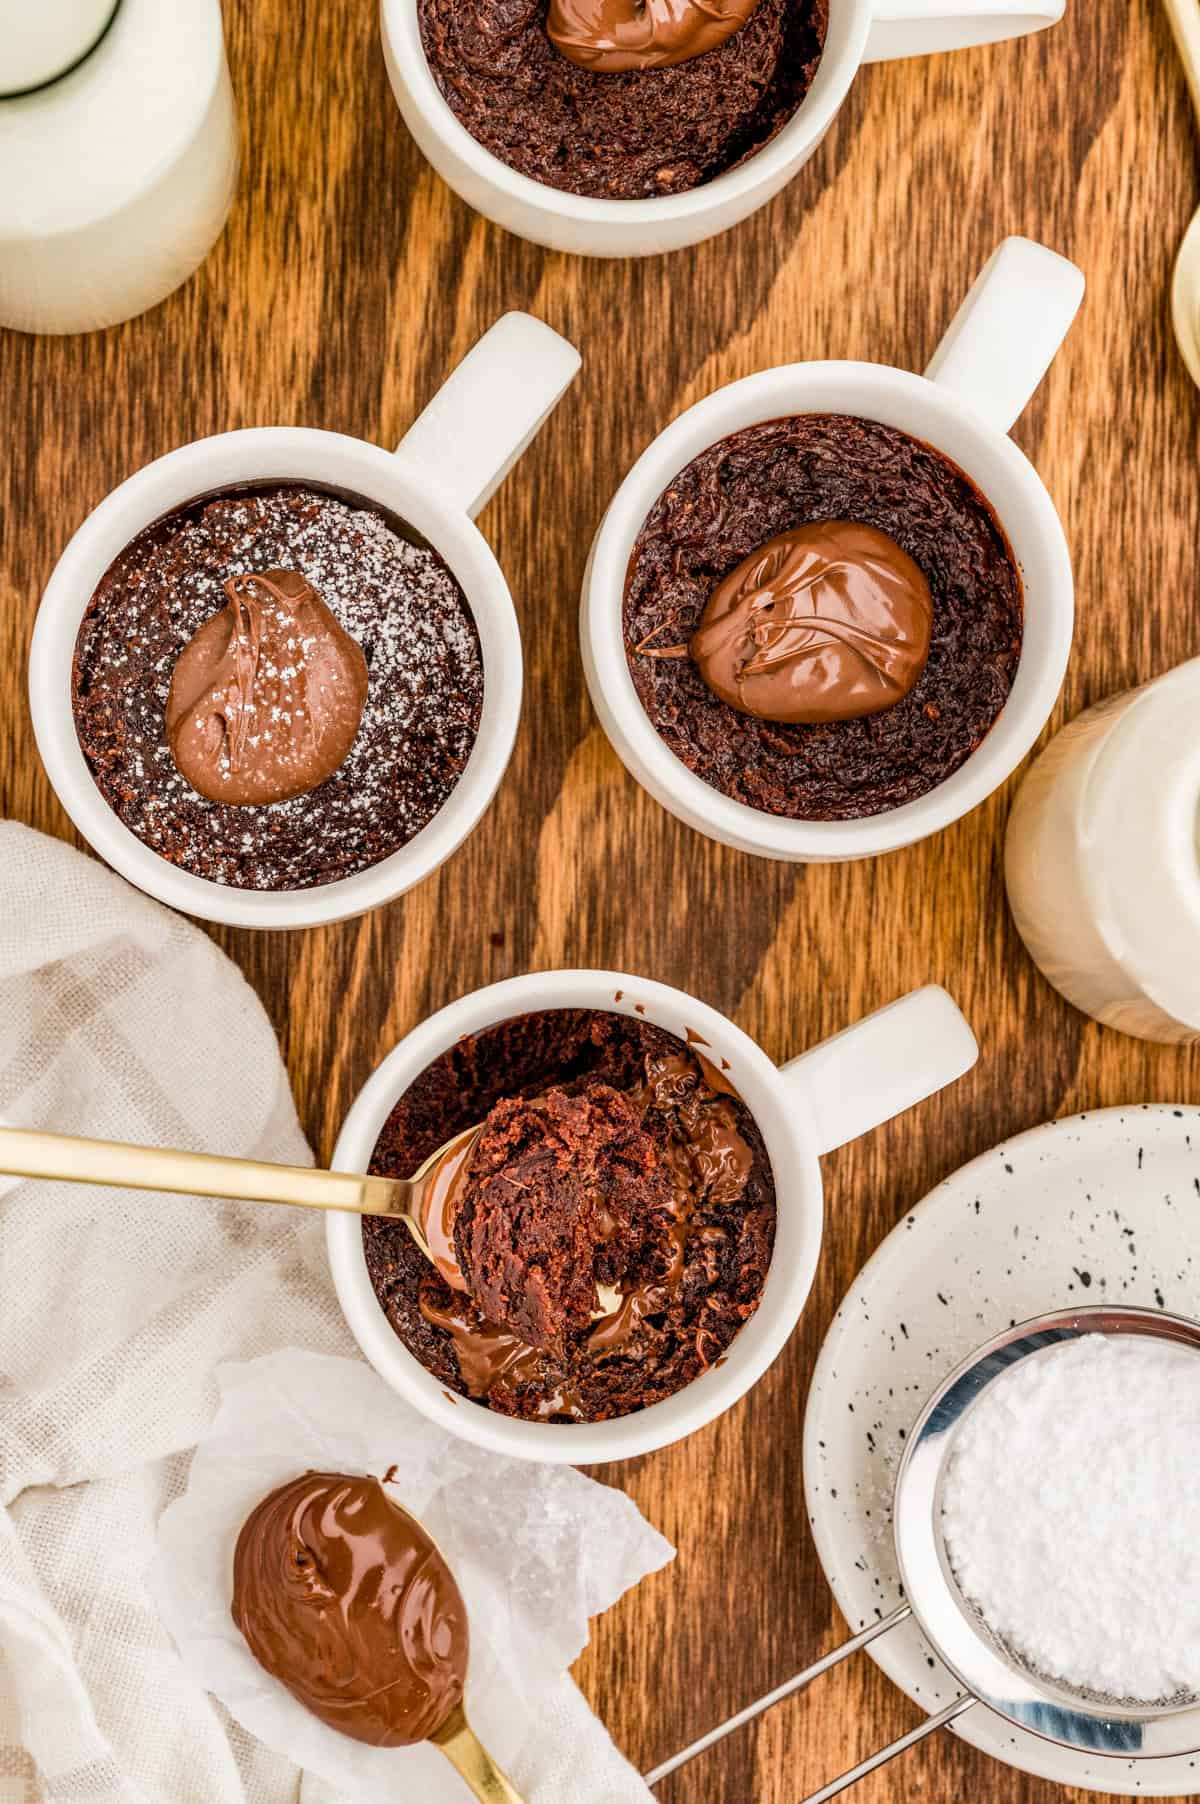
1032,1535
1071,1515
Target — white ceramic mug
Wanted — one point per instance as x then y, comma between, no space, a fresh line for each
1102,859
446,467
860,31
838,1090
996,351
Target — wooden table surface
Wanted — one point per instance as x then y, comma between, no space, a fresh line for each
348,282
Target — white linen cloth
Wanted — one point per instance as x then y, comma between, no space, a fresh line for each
120,1019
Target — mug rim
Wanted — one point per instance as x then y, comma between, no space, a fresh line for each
768,168
864,389
791,1148
223,461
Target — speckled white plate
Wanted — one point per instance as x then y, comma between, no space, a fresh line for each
1097,1208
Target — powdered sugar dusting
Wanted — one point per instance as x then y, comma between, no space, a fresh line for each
1071,1519
400,603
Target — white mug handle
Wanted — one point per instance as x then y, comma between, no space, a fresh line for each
883,1065
490,408
918,27
1005,335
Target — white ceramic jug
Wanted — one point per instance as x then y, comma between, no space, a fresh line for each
118,155
1103,859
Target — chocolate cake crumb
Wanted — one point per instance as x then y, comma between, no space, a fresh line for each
690,1255
397,599
555,1199
785,473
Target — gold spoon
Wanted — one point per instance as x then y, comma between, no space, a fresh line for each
1185,289
29,1153
458,1741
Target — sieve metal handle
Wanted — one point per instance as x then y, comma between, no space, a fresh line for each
889,1753
863,1639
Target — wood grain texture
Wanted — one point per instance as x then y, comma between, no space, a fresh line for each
347,283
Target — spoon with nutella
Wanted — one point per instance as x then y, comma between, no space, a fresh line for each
344,1598
427,1203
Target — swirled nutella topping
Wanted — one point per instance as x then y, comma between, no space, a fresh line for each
830,621
488,1356
608,36
267,696
344,1599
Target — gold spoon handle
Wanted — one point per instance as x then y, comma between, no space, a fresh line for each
1185,21
465,1752
26,1153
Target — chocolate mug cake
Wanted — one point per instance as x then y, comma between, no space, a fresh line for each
822,617
276,688
613,1156
623,99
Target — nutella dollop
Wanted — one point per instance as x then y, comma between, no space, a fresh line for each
609,36
345,1600
829,621
267,697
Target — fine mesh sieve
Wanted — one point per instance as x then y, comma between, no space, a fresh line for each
990,1672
